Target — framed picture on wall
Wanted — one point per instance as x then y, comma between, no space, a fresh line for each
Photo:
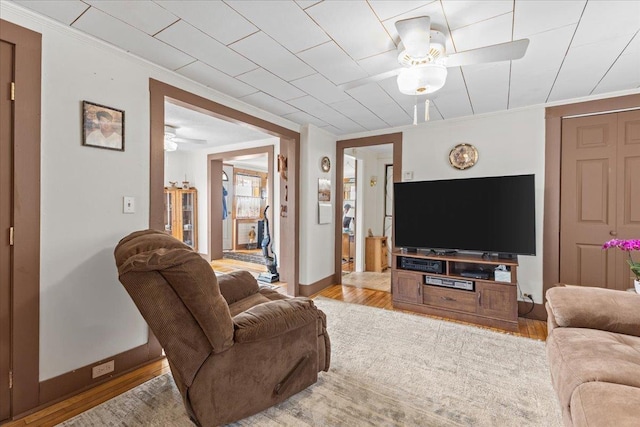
324,190
102,126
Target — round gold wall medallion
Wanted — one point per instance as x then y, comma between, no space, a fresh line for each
463,156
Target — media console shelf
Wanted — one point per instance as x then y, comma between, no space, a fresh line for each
479,299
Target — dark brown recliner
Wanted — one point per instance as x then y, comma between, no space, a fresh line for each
234,349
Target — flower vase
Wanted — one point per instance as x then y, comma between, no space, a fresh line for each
636,284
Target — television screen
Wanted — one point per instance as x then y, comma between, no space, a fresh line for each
492,214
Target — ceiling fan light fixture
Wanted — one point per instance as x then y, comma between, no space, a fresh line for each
422,80
170,145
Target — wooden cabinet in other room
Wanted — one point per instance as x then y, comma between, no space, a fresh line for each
376,254
181,215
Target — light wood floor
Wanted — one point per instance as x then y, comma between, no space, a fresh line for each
75,405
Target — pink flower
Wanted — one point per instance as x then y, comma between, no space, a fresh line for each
627,246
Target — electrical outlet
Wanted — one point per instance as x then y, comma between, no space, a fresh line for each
102,369
528,296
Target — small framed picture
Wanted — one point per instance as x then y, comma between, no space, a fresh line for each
324,189
102,126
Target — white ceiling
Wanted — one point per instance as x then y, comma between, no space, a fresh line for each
191,124
288,57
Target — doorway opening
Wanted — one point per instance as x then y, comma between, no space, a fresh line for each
366,169
285,210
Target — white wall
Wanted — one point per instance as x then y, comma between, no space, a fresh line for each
509,143
85,314
317,241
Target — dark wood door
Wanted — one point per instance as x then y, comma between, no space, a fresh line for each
600,197
6,199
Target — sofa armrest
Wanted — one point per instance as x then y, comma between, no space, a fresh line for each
274,318
237,285
595,308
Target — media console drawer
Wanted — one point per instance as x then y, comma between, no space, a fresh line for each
449,298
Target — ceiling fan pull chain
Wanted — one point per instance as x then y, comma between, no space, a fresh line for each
415,112
426,110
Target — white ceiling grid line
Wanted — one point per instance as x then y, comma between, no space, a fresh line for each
288,57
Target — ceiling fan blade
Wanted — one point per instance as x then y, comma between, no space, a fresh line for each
497,52
370,79
190,140
415,35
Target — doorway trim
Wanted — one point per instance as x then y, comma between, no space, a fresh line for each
25,308
288,207
552,162
214,183
392,138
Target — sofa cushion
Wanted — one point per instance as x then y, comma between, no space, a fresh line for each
605,405
578,355
595,308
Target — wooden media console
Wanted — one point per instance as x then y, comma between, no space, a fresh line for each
488,302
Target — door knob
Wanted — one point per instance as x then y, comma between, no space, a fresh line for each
613,233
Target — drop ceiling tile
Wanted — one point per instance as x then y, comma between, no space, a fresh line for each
299,32
354,26
303,118
582,70
116,32
380,63
215,79
266,52
65,11
269,103
145,15
386,9
453,100
488,86
194,42
333,130
462,13
307,3
625,73
271,84
485,33
321,88
533,17
611,18
530,86
359,114
381,104
322,111
533,75
333,63
214,18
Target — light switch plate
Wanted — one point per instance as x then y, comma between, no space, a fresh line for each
407,176
128,204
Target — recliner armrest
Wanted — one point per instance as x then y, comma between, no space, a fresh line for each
274,318
595,308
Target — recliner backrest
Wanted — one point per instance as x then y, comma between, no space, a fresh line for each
177,293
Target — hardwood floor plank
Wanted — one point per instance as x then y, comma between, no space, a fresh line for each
68,408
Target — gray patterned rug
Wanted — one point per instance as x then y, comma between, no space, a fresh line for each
387,369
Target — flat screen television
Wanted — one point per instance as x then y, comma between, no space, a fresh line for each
489,215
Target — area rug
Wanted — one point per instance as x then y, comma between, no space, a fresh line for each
387,369
254,258
368,280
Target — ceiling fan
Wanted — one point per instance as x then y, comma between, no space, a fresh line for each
422,54
171,138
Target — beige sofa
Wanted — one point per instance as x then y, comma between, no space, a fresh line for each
594,355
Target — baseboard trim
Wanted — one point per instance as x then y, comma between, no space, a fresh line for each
538,312
315,287
76,381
